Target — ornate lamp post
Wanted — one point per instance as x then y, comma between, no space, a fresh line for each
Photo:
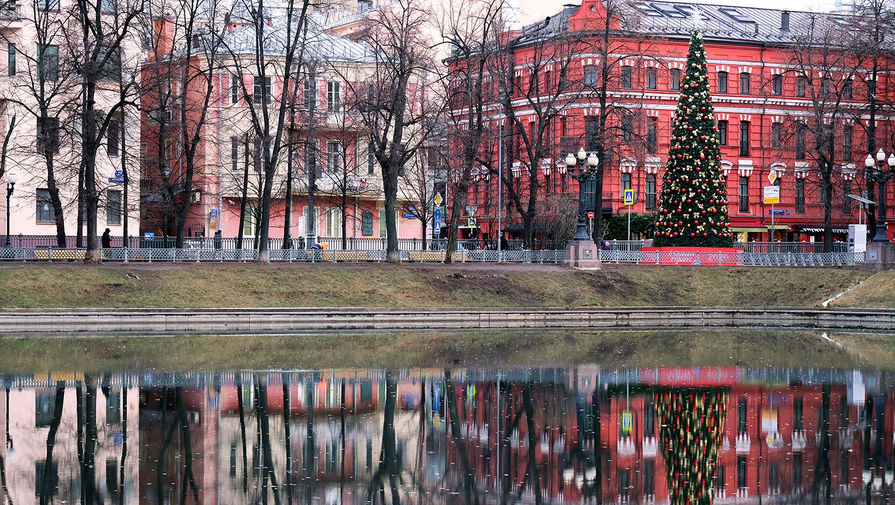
582,169
874,171
10,184
581,252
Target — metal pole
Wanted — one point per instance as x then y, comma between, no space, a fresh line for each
8,195
629,224
773,229
499,187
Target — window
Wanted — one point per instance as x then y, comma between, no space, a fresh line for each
650,191
48,62
371,160
800,209
722,132
113,206
719,478
334,222
847,90
590,76
649,410
797,471
49,5
774,477
625,182
741,472
248,224
649,477
112,476
722,82
262,92
590,132
651,78
843,411
44,403
745,77
113,407
11,60
234,90
310,94
777,84
366,227
744,207
800,141
627,126
382,224
821,194
843,468
334,96
48,135
652,125
333,156
111,64
674,79
776,135
234,153
113,136
625,80
624,483
847,133
744,138
825,83
801,85
846,201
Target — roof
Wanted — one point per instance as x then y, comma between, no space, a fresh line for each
320,45
675,19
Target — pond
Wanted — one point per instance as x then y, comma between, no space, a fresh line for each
477,435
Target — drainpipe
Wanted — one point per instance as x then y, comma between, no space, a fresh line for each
220,152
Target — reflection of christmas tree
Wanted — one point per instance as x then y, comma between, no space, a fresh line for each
692,424
693,202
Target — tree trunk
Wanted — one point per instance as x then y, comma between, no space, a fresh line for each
390,183
242,200
459,201
287,223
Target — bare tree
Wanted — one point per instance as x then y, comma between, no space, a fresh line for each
393,117
824,66
101,35
470,28
270,46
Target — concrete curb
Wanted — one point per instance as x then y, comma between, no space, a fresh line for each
65,322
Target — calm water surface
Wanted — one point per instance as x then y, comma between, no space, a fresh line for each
580,434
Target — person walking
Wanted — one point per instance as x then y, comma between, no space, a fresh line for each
218,242
107,239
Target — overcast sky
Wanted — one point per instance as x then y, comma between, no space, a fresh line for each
532,10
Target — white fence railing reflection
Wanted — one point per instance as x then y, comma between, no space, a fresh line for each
622,255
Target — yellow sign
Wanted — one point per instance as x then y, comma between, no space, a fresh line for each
772,176
629,197
470,222
771,194
438,199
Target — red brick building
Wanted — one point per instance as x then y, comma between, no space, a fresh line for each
767,91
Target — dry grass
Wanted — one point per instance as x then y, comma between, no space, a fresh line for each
624,349
430,286
876,291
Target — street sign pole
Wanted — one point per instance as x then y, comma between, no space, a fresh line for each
629,223
499,186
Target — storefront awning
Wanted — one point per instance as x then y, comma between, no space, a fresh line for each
778,227
747,229
814,229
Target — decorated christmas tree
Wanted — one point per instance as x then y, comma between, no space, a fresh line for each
693,202
692,426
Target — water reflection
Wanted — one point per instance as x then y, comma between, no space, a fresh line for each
584,434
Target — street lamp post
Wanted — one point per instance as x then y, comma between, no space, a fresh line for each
581,252
10,185
874,171
582,169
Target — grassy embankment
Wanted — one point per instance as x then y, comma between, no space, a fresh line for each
623,349
414,286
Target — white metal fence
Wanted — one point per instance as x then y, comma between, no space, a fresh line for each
619,255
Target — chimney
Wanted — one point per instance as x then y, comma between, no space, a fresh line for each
164,37
784,21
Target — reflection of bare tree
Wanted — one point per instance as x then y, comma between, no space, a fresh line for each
264,420
88,466
8,447
421,451
532,473
46,484
188,475
388,457
822,474
123,443
242,429
472,495
310,452
596,400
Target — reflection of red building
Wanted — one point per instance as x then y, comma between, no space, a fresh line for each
771,443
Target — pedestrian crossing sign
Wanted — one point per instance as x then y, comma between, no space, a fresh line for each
629,197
